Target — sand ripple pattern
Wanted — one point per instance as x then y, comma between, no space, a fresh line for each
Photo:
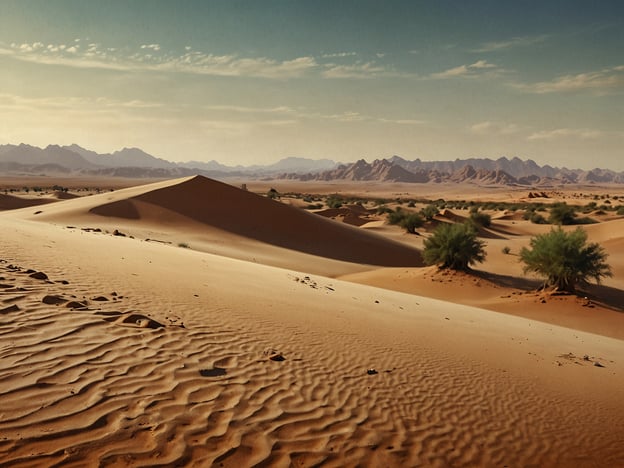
134,390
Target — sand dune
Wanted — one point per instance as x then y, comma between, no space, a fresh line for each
125,352
198,206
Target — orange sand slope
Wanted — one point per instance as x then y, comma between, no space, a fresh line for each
134,353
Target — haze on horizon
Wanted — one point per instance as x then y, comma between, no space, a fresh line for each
251,82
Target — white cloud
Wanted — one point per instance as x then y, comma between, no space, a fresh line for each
583,133
189,62
252,110
605,81
469,71
494,128
339,55
358,70
522,41
404,121
58,103
154,47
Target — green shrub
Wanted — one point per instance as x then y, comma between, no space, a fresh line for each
454,246
565,259
429,212
562,214
481,219
334,202
408,220
272,194
537,218
411,222
395,217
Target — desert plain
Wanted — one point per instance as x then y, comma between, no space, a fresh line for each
189,322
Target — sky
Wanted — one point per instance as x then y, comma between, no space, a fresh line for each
252,82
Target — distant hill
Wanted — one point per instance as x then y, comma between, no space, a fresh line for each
479,171
136,163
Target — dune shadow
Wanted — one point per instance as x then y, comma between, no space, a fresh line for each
606,296
508,281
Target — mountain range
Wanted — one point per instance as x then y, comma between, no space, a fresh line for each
25,159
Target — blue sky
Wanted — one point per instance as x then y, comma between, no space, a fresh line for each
247,82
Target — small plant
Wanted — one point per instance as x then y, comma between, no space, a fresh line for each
184,245
454,246
562,214
395,217
565,259
537,218
408,220
430,211
506,250
411,222
480,218
272,194
334,202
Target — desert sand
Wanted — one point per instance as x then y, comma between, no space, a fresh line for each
190,323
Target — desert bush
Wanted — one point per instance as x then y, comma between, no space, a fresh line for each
565,259
537,218
411,222
506,250
395,217
272,194
454,246
562,214
620,210
408,220
334,201
429,212
480,218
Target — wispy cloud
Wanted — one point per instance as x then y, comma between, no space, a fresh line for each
605,81
252,110
152,57
478,68
494,128
339,55
290,113
15,102
149,57
154,47
359,70
583,133
520,41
